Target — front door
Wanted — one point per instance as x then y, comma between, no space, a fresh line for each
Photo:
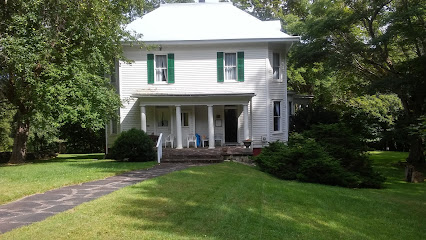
231,125
163,121
188,124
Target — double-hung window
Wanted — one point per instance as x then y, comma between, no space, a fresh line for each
160,68
230,66
184,119
276,66
277,115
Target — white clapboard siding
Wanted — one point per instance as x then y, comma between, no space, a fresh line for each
196,70
278,92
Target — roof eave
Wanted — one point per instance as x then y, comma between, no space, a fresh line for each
202,95
291,39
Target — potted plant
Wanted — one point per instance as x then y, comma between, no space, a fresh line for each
247,143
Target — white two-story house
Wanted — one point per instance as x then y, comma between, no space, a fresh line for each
205,68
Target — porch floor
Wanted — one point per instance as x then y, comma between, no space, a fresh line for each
219,154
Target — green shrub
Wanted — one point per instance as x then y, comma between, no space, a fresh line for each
305,160
134,146
349,148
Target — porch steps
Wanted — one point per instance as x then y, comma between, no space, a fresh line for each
193,155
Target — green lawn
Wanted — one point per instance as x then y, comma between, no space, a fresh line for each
234,201
67,169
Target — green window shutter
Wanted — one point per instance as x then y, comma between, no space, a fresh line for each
171,68
240,66
220,67
150,66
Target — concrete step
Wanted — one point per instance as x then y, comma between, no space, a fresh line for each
183,156
198,160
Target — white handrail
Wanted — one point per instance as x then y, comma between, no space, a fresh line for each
159,148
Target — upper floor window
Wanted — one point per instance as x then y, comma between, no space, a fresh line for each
230,66
160,68
276,65
277,115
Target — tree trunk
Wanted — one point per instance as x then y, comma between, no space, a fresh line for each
19,151
416,156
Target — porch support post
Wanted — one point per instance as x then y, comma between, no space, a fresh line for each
143,118
211,126
178,127
246,122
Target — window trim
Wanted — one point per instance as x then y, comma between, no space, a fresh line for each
276,66
235,66
156,81
280,124
182,120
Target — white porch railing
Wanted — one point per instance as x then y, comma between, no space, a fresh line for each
160,148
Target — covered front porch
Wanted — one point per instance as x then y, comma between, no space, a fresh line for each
216,119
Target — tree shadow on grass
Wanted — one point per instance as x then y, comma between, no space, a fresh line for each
94,156
96,161
243,204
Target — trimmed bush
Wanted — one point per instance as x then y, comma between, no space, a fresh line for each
134,146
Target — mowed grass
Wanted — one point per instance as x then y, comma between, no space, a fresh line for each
234,201
67,169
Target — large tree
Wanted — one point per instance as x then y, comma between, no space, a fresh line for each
54,59
380,41
363,46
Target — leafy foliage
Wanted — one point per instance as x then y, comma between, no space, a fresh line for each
316,114
6,119
54,56
349,148
82,140
133,145
43,141
308,160
374,46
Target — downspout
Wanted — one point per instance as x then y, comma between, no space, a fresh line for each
268,98
286,136
251,119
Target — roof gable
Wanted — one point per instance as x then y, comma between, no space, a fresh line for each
205,21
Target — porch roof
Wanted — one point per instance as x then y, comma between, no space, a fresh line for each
192,94
185,97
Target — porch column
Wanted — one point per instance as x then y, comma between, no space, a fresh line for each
143,118
211,126
178,127
246,122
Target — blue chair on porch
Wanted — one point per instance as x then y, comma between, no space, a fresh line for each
198,139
